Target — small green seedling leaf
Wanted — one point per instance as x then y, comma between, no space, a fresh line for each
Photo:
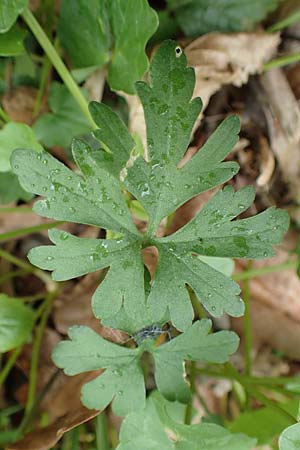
64,122
132,22
12,136
10,189
123,379
11,42
90,48
193,345
15,135
157,431
290,438
16,323
9,11
203,16
116,33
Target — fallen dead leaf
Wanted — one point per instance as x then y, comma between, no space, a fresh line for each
45,438
275,306
218,59
282,112
19,104
267,163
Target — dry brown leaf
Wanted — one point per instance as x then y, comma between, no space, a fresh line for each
267,163
45,438
95,84
218,59
283,117
221,59
275,306
19,104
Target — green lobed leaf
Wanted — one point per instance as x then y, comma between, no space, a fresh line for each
290,438
203,16
15,135
212,232
71,257
159,184
193,345
122,382
9,11
16,323
64,122
95,198
115,32
132,22
154,429
112,134
11,42
92,198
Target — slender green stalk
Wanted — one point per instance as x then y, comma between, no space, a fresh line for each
27,419
14,234
254,392
294,17
50,284
8,276
57,62
4,116
189,406
282,61
9,364
196,304
229,372
44,78
33,373
262,381
101,432
17,209
252,273
247,326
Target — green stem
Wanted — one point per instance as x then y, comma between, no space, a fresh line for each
294,17
229,372
248,274
44,78
247,326
57,62
101,432
189,406
33,373
9,364
282,61
196,304
8,276
17,209
14,234
50,284
4,116
263,381
254,392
